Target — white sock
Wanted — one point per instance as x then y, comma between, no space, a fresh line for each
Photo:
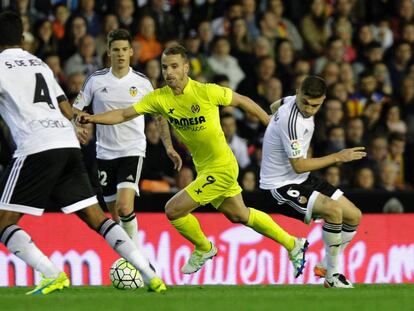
331,235
130,224
123,245
20,244
348,233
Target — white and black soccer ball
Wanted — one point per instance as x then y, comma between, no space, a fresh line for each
123,275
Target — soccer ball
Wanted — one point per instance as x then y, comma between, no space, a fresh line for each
123,275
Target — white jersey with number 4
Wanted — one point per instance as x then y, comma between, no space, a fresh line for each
107,92
29,97
287,136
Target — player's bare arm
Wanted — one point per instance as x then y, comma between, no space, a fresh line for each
166,140
302,165
81,132
275,106
110,117
249,105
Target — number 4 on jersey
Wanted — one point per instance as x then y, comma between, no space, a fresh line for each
42,94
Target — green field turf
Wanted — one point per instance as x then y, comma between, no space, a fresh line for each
223,298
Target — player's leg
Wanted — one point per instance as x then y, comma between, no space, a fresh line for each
351,217
25,189
237,212
331,211
128,175
81,200
107,178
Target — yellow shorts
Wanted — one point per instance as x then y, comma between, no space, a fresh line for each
215,185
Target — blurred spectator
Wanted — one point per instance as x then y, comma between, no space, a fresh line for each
330,73
343,30
391,120
61,14
399,62
125,10
397,144
157,165
28,38
302,66
240,40
382,75
75,29
407,33
404,14
285,28
53,61
110,22
236,143
249,14
45,42
221,62
248,180
272,92
147,38
332,115
285,58
221,25
367,91
373,54
347,77
393,205
153,72
355,133
184,17
184,177
164,21
198,61
338,90
84,61
205,33
364,179
388,175
378,149
253,85
74,83
335,141
332,174
334,52
364,37
372,116
86,9
314,28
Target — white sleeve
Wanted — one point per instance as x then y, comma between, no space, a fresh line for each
85,95
292,133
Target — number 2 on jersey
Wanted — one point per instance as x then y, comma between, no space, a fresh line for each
42,94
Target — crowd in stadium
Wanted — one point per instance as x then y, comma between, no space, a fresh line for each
262,49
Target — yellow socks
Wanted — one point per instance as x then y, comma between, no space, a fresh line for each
264,224
189,227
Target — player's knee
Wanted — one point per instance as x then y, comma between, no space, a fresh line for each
124,208
333,212
172,211
238,218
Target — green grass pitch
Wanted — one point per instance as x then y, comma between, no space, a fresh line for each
223,298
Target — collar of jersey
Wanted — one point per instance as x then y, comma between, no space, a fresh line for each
12,51
187,88
115,77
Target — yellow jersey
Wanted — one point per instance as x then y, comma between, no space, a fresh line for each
194,115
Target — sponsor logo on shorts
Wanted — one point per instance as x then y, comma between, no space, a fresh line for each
302,200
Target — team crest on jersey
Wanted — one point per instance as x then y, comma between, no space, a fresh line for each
195,108
133,91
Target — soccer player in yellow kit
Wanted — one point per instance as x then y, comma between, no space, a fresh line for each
192,110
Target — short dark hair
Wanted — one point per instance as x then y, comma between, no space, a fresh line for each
313,87
176,49
119,34
11,28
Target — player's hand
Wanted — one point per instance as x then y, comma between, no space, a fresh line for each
82,134
84,119
175,158
351,154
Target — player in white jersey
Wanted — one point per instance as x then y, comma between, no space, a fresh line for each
47,166
120,148
285,173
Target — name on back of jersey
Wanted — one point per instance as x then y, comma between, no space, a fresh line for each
23,63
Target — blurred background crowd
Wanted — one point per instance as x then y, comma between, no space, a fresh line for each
262,49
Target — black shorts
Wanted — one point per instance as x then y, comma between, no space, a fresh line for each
119,173
297,200
54,177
